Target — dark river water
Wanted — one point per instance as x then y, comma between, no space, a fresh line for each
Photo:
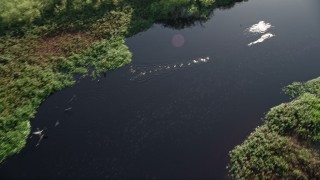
169,114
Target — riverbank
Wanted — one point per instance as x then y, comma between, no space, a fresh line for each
285,145
44,48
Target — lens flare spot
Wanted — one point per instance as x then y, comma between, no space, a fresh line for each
178,40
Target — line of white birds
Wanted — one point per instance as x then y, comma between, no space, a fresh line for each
167,67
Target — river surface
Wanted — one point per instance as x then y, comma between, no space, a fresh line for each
188,97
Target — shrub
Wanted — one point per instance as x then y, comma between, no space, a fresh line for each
297,88
267,155
283,146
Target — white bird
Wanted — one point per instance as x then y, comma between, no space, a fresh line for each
57,123
133,71
68,109
40,139
73,98
38,132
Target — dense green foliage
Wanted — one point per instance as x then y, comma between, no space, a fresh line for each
299,118
27,77
297,88
103,56
44,43
268,155
16,12
284,146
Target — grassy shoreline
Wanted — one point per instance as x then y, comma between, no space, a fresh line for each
29,74
43,45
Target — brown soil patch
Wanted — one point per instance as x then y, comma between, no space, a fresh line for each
63,44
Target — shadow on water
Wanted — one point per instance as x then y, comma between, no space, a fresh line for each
178,19
179,122
181,16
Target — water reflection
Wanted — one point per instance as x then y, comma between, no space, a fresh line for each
180,19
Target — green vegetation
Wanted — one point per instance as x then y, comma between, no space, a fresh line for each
103,56
285,145
44,43
37,60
